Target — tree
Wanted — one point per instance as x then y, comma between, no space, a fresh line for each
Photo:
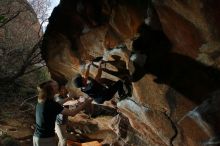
12,69
20,42
41,8
28,59
6,15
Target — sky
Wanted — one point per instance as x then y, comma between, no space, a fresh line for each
54,3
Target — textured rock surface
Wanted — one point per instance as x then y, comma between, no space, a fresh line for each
19,32
23,29
175,72
17,37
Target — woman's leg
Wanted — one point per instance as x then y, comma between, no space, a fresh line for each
61,134
35,141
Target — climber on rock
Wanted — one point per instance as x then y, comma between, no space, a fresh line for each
96,90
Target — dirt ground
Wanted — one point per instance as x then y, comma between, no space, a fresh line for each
17,122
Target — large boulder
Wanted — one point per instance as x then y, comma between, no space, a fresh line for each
20,32
173,63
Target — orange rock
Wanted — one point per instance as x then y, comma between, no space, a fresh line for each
93,143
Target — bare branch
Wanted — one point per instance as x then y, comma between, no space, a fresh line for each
41,8
41,25
34,70
11,18
32,97
40,61
36,60
36,55
23,60
27,63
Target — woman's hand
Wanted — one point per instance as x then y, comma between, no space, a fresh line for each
83,100
80,107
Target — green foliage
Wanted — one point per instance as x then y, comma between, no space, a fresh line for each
23,87
30,81
43,74
2,18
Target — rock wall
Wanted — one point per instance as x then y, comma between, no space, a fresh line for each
22,29
173,63
19,32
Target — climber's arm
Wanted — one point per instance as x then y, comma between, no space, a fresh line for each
86,75
99,73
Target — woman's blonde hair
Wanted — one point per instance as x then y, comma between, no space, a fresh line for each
45,90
